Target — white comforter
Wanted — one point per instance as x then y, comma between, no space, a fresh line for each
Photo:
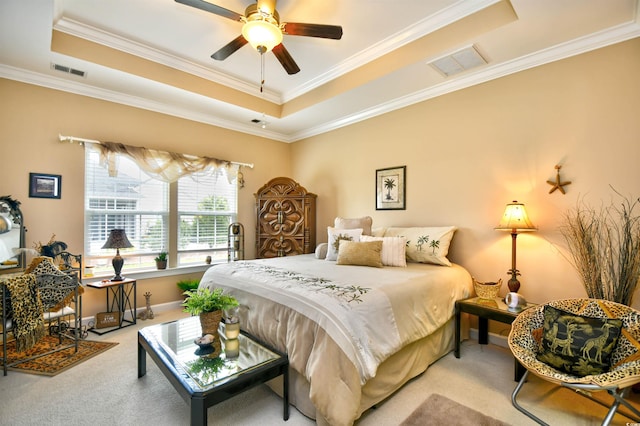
368,313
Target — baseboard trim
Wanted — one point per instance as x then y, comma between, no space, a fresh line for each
495,339
162,307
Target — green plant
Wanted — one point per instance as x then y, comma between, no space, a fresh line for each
186,285
161,257
205,300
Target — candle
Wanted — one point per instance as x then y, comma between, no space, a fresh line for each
232,348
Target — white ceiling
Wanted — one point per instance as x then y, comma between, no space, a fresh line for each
340,82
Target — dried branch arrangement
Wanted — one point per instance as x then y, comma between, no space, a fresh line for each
605,248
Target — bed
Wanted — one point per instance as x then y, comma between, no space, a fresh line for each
353,334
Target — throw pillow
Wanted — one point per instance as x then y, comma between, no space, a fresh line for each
354,223
426,245
576,344
321,250
393,249
360,253
335,235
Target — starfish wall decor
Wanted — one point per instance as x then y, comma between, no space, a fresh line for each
557,184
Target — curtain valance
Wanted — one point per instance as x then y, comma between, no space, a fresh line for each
167,166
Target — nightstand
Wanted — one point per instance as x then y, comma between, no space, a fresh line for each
485,310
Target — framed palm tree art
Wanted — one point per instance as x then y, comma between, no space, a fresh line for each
391,188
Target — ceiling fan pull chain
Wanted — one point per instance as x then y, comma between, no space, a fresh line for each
261,72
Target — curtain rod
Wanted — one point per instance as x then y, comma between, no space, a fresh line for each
72,139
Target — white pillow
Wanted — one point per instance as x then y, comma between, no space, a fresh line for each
321,250
354,223
378,232
393,249
426,245
335,235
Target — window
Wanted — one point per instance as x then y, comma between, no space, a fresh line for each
206,204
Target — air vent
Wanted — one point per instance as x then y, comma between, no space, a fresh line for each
459,61
68,70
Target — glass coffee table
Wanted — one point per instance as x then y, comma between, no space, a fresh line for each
205,380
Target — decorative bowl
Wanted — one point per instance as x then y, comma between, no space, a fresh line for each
488,290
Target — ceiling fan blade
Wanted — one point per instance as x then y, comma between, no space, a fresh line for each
230,48
285,59
208,7
313,30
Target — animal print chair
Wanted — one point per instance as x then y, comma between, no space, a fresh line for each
586,345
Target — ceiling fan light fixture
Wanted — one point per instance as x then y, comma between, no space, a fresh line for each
261,33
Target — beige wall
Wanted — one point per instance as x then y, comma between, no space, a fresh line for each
467,155
31,118
471,152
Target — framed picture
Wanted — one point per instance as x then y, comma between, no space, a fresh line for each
391,188
44,186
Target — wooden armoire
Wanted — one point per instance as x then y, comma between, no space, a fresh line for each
286,219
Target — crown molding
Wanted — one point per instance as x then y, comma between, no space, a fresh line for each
444,17
561,51
578,46
96,35
56,83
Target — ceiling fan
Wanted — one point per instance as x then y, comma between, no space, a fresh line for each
263,30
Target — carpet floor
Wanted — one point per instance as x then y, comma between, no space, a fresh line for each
56,362
108,392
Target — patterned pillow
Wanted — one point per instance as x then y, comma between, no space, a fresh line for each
335,235
56,295
426,245
360,253
393,249
576,344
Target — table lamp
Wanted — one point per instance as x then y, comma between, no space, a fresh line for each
117,240
515,219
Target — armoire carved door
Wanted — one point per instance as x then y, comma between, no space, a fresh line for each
286,219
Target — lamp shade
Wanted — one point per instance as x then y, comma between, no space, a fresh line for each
515,219
117,240
262,34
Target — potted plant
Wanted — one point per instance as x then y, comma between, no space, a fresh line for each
604,244
161,260
208,305
188,284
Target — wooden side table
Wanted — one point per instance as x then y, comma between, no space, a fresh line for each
486,310
123,293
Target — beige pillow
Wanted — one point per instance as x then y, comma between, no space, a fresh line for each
360,253
426,245
393,249
354,223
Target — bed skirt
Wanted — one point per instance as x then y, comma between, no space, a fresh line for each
392,374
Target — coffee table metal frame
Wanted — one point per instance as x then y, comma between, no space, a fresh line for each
200,399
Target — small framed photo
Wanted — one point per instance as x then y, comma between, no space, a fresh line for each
44,186
391,188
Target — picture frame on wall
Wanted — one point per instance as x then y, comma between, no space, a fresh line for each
43,185
391,188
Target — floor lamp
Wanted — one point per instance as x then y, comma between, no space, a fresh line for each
515,219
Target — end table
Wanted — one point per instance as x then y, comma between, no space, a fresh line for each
487,309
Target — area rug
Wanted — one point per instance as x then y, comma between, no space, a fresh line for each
439,410
57,362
